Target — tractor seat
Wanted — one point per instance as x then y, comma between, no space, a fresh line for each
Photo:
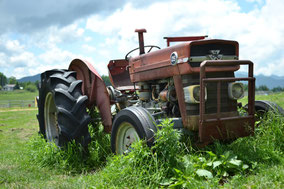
119,74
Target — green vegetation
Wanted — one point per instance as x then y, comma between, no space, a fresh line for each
18,95
278,98
28,86
27,161
106,79
265,88
12,80
3,80
31,87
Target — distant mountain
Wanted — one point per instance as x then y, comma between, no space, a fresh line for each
30,78
270,81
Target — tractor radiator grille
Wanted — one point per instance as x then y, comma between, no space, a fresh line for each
204,50
227,105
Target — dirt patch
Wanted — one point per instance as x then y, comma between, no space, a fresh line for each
1,124
25,133
1,130
17,129
20,109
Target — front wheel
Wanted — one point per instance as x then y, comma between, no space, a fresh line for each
132,124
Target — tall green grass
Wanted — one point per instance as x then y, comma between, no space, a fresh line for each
171,162
72,158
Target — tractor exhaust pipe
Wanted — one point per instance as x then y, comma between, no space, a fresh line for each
141,40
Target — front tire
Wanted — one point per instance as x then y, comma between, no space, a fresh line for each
62,108
132,124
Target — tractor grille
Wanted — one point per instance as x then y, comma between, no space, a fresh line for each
204,50
227,105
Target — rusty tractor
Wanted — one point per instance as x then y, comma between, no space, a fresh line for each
192,82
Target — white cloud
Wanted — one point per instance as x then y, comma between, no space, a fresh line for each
80,31
255,1
54,55
23,59
19,55
259,32
14,45
89,48
3,60
88,39
19,60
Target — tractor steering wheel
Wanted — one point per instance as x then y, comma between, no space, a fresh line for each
151,47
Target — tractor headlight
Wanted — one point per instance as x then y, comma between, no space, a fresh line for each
192,94
236,91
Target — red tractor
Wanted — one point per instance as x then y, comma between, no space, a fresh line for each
193,83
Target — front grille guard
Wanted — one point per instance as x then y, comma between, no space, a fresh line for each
218,128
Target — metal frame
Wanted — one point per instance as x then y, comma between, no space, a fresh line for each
220,128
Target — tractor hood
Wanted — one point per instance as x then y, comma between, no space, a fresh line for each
184,58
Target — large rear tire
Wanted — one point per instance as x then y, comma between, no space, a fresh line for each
263,106
62,112
132,124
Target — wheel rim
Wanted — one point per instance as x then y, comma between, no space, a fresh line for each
50,119
126,135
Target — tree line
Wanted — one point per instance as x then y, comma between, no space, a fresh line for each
29,86
265,88
32,86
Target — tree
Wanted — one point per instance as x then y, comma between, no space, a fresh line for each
17,85
263,88
245,86
31,87
12,80
278,89
106,80
3,79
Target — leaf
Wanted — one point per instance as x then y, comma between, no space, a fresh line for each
209,164
178,172
178,183
225,174
227,154
216,164
204,173
235,162
202,159
245,166
211,153
166,182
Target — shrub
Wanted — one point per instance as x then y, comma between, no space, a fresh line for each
31,88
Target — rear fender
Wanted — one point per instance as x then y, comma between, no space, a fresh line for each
94,88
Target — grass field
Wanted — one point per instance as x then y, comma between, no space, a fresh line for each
18,95
278,98
17,99
27,162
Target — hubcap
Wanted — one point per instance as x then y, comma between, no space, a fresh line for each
126,135
50,119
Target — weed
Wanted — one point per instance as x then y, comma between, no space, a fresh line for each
72,158
170,162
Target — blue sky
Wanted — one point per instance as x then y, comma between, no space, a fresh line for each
37,35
